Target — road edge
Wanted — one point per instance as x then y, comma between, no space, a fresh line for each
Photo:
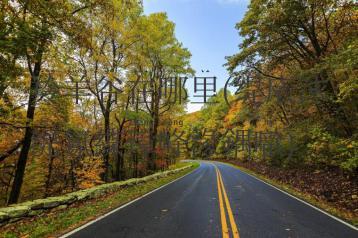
293,196
124,205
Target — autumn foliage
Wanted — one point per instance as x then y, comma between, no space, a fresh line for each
73,107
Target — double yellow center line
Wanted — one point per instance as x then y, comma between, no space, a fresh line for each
224,202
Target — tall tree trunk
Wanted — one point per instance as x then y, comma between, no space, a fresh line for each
335,108
136,140
73,175
107,139
153,130
21,163
120,156
51,156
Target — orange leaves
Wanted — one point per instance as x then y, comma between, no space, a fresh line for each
89,173
231,117
161,163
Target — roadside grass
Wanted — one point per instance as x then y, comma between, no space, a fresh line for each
344,215
60,222
178,165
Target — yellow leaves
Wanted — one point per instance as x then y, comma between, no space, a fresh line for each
99,57
246,125
3,105
9,139
118,26
77,120
111,76
261,126
89,174
231,117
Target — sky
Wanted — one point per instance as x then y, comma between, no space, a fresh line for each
207,29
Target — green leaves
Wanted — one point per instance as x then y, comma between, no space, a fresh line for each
158,47
304,55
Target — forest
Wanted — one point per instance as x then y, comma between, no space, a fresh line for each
81,95
296,80
293,116
91,92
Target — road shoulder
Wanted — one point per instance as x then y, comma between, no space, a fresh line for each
63,221
344,217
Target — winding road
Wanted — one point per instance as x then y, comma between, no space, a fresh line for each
216,200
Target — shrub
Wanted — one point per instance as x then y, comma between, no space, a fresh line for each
328,150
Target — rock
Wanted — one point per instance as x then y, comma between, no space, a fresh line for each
15,219
36,204
70,198
41,204
61,207
33,205
51,202
3,217
34,208
131,181
65,199
96,192
35,212
154,176
3,223
15,211
146,179
82,196
118,185
140,180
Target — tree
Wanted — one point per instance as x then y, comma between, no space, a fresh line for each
289,41
102,60
163,57
36,27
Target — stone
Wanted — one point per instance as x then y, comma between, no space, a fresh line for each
51,202
130,182
36,204
31,204
15,211
33,208
81,195
70,198
96,192
35,212
3,217
15,219
61,207
153,176
142,180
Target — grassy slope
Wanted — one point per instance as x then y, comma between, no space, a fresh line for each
62,221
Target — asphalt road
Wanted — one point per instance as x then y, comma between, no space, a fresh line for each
217,200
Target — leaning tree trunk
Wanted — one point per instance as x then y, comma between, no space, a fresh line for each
21,163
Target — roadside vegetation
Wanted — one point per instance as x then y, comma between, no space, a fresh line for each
86,98
81,100
310,192
58,222
296,100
